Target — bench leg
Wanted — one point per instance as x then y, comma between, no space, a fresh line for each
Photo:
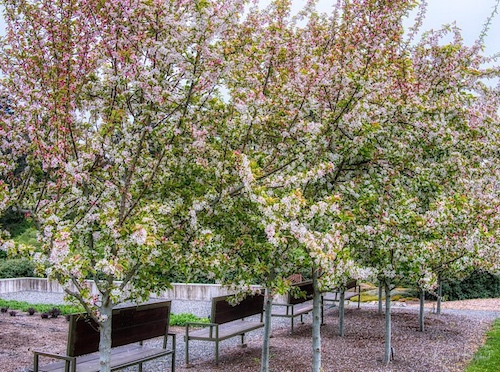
174,345
302,319
140,367
291,331
187,352
217,352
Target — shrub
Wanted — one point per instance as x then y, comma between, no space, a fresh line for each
41,308
31,311
54,312
16,268
12,313
183,318
44,315
480,284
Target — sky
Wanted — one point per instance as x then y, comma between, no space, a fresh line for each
469,15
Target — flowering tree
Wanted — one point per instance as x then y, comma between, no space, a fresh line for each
442,130
319,90
114,106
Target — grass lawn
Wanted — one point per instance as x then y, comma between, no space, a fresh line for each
6,305
487,357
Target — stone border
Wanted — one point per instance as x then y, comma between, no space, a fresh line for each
179,291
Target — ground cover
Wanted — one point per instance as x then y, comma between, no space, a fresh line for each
487,357
448,344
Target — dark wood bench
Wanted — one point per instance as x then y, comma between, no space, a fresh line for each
226,321
351,290
299,303
131,325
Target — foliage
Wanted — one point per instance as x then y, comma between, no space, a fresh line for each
27,237
487,358
52,311
40,308
344,144
479,284
183,318
16,268
14,222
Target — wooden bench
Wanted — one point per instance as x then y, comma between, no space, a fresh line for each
351,290
296,305
226,321
131,325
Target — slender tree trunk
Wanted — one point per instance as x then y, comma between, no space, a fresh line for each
341,313
421,311
380,289
388,332
316,326
105,337
268,306
440,296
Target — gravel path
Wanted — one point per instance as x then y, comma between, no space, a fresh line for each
198,350
409,344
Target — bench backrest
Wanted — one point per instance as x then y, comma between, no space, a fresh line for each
223,311
303,287
129,325
351,284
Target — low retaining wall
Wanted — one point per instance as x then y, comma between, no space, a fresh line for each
179,291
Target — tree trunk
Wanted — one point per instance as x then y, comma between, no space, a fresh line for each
380,289
316,339
341,313
105,337
268,306
440,296
421,311
388,332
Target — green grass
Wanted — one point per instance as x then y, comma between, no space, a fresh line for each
366,297
487,358
175,319
40,308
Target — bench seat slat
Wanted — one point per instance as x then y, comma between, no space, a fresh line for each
226,330
298,309
121,357
335,296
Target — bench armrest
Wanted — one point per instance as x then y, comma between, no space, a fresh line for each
70,361
199,324
288,307
165,340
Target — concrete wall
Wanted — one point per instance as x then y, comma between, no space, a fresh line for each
179,291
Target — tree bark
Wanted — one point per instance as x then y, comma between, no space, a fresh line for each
440,296
316,326
388,332
341,313
268,306
380,289
105,337
421,311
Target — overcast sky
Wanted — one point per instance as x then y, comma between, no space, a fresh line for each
470,16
